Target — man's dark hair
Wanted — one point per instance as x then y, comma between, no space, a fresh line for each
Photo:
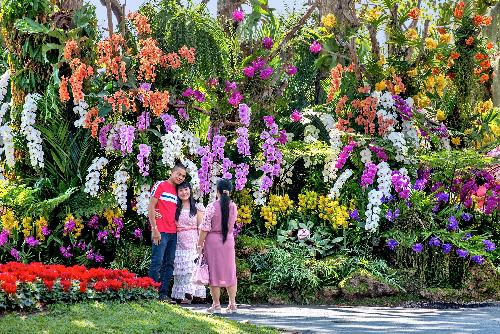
179,165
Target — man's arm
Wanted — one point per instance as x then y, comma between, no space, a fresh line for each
156,236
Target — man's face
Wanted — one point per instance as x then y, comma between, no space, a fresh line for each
178,176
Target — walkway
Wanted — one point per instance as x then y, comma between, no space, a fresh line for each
332,319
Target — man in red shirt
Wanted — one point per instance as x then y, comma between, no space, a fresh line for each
163,204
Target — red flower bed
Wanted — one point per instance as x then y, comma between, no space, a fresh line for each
30,285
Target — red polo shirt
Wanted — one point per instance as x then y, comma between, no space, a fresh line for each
166,194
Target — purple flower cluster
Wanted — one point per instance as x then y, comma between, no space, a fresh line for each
90,255
442,197
418,248
103,135
392,244
401,184
344,155
69,226
315,47
295,116
368,174
238,15
45,231
242,142
142,159
168,121
290,70
208,157
93,222
102,236
127,134
403,107
379,152
266,73
489,246
118,224
227,164
183,114
446,248
462,253
478,259
143,121
244,114
453,224
242,170
267,43
4,237
390,216
15,254
423,177
354,215
466,216
65,251
434,242
138,233
31,241
249,71
273,155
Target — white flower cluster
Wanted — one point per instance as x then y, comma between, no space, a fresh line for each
410,132
81,110
384,178
94,174
33,136
172,146
258,195
8,144
286,174
366,155
3,111
335,191
192,170
4,82
143,200
329,170
328,121
310,161
399,143
192,142
311,133
120,188
373,209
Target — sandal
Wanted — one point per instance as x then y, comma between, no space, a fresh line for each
214,309
231,309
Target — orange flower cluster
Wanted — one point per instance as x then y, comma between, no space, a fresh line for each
171,60
150,56
118,101
187,54
157,101
92,121
140,22
396,86
114,64
469,41
366,118
81,71
341,104
459,10
70,48
384,124
479,20
454,55
484,66
63,90
335,79
489,45
414,13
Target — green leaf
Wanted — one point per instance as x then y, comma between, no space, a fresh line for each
51,46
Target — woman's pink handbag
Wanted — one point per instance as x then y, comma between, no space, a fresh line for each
200,275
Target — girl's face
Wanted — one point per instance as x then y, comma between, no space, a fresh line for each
184,193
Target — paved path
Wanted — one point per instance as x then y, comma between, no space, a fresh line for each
332,319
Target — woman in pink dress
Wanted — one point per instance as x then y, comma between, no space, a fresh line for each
188,217
217,242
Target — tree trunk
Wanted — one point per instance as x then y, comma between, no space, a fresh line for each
225,8
493,34
116,8
70,5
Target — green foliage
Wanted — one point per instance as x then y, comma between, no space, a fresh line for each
134,257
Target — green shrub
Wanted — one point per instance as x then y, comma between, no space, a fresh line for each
136,258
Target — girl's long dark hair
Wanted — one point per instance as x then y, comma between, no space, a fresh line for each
192,204
224,187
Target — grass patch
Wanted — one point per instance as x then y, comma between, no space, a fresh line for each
133,317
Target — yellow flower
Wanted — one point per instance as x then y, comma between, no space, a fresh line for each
411,34
430,43
483,107
382,61
456,141
373,14
40,223
422,100
412,73
244,214
429,83
445,38
9,221
329,21
495,128
467,132
308,201
27,226
269,217
380,86
440,115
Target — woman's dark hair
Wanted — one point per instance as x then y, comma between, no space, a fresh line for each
192,204
224,187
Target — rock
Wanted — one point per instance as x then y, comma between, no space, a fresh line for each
361,284
328,294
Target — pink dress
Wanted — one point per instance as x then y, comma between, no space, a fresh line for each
185,254
220,256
